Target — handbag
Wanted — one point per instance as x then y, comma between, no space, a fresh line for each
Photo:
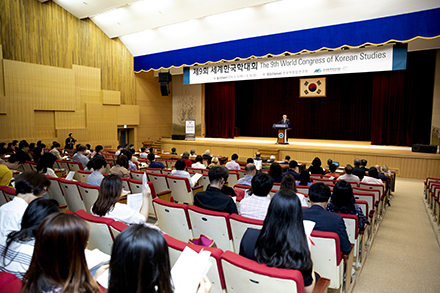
203,240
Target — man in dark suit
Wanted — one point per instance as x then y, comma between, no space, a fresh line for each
285,120
357,170
319,196
292,166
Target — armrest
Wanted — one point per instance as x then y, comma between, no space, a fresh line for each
123,199
62,207
321,286
164,195
348,259
197,188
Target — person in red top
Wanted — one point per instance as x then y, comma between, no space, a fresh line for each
188,162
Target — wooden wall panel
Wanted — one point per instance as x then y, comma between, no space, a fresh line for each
2,79
111,97
102,124
128,115
44,124
87,78
70,120
47,34
155,119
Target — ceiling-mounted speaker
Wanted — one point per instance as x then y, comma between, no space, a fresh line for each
164,77
164,88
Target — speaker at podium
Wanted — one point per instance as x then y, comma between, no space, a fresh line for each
282,133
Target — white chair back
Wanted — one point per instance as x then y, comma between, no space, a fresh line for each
173,219
239,225
89,194
71,195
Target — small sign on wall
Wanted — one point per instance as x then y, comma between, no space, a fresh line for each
312,87
190,129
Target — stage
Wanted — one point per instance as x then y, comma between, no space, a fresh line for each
406,163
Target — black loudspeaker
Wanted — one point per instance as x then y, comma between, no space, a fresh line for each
424,148
164,88
178,137
164,77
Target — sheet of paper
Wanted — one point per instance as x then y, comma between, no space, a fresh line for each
308,227
103,279
189,269
258,164
70,175
96,258
196,178
134,201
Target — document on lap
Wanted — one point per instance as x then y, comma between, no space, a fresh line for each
135,201
196,178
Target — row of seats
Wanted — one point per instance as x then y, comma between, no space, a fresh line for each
432,192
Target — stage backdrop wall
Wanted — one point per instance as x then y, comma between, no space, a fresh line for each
387,108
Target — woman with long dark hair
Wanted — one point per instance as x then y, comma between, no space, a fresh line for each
140,263
37,153
18,247
343,201
45,165
316,167
121,167
288,182
107,204
58,263
282,242
304,178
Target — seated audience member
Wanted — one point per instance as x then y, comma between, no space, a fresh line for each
54,150
343,202
382,176
304,178
272,159
255,206
275,171
143,154
118,152
319,196
348,176
214,162
213,198
286,160
28,186
192,153
264,165
199,163
179,172
11,148
23,148
131,165
173,151
38,152
364,165
107,204
332,173
233,165
373,177
45,166
386,171
316,167
188,162
329,162
291,171
121,167
250,173
207,156
133,248
15,145
257,156
98,152
226,189
80,156
18,247
282,242
99,165
289,183
357,170
64,238
3,145
155,164
249,161
14,161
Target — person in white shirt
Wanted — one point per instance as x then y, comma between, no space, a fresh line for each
143,154
180,166
99,165
120,148
373,177
28,186
17,248
348,176
107,204
199,163
233,165
256,205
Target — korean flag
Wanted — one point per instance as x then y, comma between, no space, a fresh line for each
312,87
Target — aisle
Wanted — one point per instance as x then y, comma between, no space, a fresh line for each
405,256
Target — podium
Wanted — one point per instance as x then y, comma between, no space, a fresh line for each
282,133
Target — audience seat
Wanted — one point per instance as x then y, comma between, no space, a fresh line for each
9,283
276,186
243,187
204,181
233,178
245,275
239,225
173,219
352,227
167,171
100,234
63,165
125,185
353,183
213,224
241,173
82,175
159,181
55,190
137,175
89,195
327,259
136,187
323,180
117,227
6,194
154,170
71,194
215,273
303,189
75,166
181,189
380,198
369,198
315,176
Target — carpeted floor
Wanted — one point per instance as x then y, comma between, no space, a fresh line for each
405,255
